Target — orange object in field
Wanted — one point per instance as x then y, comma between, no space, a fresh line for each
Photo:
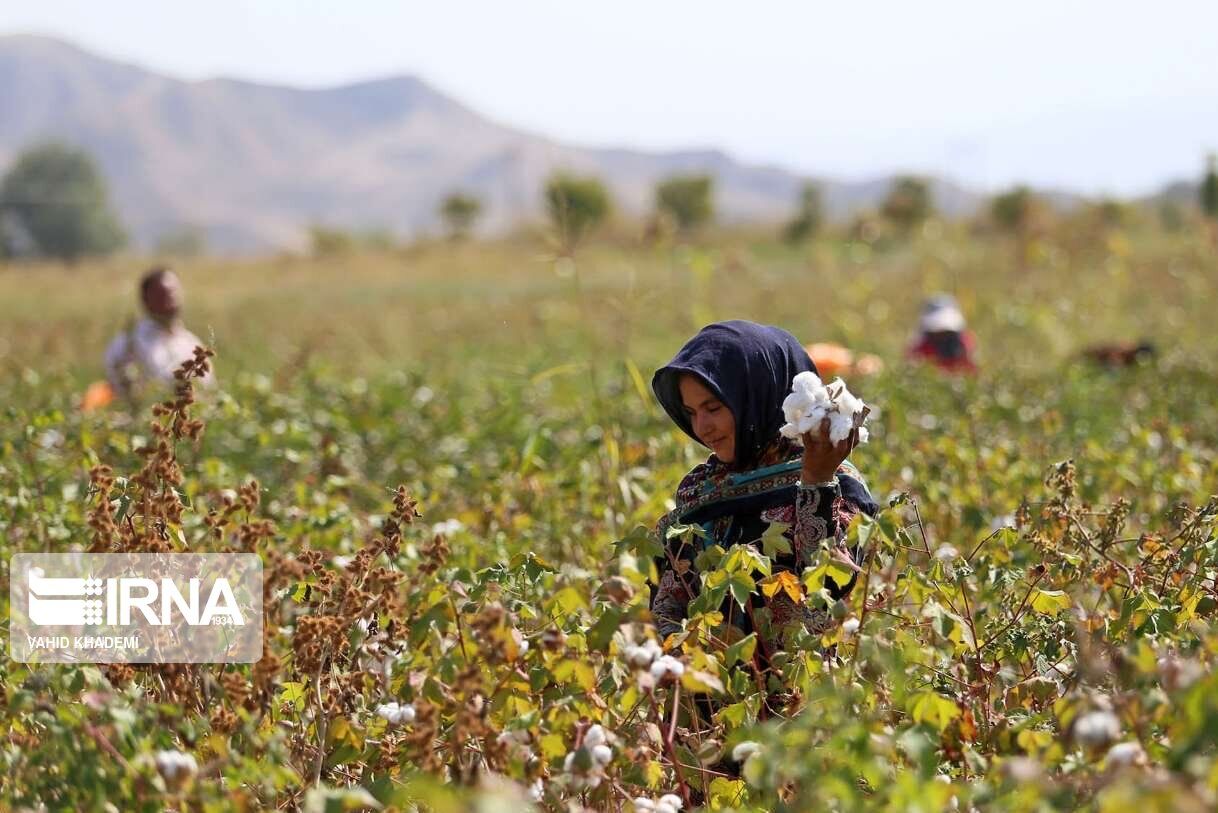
830,359
833,359
98,395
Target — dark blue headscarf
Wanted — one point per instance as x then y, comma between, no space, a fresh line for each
749,368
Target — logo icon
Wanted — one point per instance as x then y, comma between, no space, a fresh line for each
50,603
135,607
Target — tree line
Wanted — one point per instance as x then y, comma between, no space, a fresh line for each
54,203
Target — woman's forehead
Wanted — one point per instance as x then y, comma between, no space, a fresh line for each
693,391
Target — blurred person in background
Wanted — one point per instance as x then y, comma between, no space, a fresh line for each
1121,354
150,349
944,339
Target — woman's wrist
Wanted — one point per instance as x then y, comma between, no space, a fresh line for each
809,481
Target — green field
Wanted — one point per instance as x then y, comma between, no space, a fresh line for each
507,389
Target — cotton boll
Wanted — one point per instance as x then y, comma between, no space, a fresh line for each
1097,728
745,750
811,423
603,754
1125,754
810,402
667,665
848,403
850,626
1023,770
946,553
672,800
641,657
807,381
595,736
840,427
1178,673
642,803
663,808
395,714
797,403
789,431
176,768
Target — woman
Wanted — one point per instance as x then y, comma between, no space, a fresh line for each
943,338
725,389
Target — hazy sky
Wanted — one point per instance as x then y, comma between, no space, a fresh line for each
1114,96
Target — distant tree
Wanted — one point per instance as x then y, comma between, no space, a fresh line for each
576,206
327,241
1011,211
1209,189
459,212
689,199
377,238
6,241
58,199
808,218
908,203
1014,212
1111,213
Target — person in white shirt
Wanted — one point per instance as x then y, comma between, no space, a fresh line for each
152,348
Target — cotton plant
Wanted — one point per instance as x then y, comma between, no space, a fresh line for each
812,402
585,766
745,751
668,803
395,714
666,665
641,656
176,768
1096,729
651,666
518,743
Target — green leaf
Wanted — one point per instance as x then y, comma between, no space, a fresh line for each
568,601
935,709
745,560
680,530
735,715
698,682
299,591
741,586
742,650
573,671
1050,602
773,542
601,633
293,693
726,793
814,578
709,559
641,542
711,598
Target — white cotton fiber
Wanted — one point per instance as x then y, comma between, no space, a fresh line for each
811,402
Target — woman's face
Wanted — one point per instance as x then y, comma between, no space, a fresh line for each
712,421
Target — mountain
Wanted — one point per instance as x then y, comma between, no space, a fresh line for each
252,165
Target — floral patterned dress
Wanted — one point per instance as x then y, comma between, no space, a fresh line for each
816,517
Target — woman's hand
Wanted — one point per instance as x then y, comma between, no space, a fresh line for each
822,456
